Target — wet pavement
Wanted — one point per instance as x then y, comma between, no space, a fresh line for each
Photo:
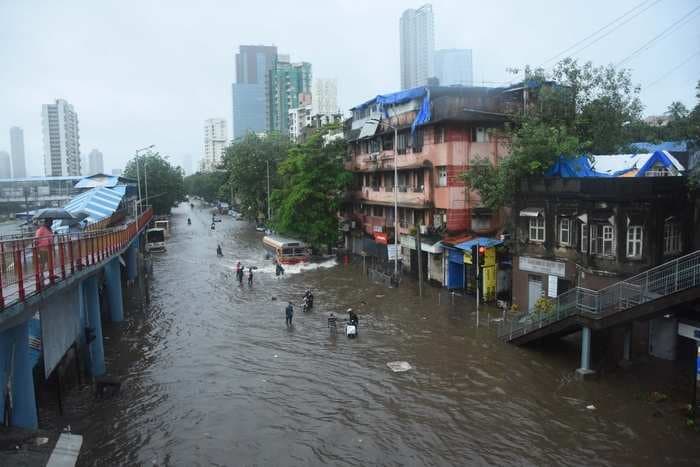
212,376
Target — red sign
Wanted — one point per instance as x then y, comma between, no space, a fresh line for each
381,237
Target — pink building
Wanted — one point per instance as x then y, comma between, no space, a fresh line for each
442,132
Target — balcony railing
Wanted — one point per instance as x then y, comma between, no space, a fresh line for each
28,266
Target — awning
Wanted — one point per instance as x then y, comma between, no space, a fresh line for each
369,128
480,241
531,212
429,247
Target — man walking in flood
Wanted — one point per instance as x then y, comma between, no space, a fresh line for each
289,314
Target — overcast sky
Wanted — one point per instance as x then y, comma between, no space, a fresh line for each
150,72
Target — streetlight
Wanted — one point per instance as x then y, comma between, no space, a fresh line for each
396,198
138,176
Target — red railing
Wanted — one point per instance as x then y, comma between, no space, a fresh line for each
22,275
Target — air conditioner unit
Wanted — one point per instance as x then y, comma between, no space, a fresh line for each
424,230
444,218
374,156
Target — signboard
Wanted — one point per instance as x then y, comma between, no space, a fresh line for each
467,258
408,241
489,257
542,266
393,252
689,331
377,228
552,286
381,238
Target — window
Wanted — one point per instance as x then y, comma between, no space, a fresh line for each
402,143
388,143
438,135
602,240
537,229
374,145
418,140
634,241
481,135
672,238
565,231
377,211
584,238
442,176
659,170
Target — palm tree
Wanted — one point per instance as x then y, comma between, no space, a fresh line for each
677,111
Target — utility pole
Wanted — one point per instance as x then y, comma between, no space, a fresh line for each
420,262
138,181
145,177
269,210
396,205
477,264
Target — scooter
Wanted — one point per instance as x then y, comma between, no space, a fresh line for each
351,329
306,305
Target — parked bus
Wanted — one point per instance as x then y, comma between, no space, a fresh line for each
287,251
155,239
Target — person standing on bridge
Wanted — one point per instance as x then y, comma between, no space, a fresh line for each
43,239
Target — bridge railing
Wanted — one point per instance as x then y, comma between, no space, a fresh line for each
29,265
674,276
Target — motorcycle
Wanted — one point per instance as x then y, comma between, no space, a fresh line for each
306,305
351,329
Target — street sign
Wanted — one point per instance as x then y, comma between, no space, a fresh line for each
393,252
552,286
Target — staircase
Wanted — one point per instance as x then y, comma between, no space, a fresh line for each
652,291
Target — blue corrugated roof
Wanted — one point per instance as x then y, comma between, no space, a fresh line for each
480,241
99,202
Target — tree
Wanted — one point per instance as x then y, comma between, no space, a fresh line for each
677,111
246,163
165,182
312,181
206,185
584,110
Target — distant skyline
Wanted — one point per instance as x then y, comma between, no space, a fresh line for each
155,76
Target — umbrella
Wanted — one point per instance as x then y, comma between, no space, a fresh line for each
53,213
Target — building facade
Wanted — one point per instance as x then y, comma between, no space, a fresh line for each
61,139
215,142
253,63
417,43
5,167
454,66
324,97
299,118
95,162
19,164
289,87
463,128
594,231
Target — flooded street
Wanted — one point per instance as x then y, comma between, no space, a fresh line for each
212,376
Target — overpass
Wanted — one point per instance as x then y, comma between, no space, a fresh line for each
62,292
644,296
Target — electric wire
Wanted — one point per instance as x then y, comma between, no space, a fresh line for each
667,73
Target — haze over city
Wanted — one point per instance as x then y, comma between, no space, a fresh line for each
150,73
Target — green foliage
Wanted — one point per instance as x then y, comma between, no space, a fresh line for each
246,163
206,185
312,181
165,182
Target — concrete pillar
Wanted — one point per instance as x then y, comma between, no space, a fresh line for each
627,345
131,264
114,290
585,353
16,369
94,319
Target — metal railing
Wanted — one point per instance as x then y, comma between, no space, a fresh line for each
674,276
29,265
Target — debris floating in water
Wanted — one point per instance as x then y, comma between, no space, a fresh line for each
590,407
275,355
380,296
397,367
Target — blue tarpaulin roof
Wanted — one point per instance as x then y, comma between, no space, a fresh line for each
480,241
98,203
401,97
671,146
615,165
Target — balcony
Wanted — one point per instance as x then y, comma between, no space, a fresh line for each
407,197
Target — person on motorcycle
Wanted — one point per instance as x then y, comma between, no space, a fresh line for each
352,317
189,221
309,298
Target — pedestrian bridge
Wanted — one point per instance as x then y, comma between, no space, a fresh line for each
62,290
644,296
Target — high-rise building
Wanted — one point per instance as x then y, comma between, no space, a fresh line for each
95,162
324,97
61,139
253,63
417,46
19,166
215,140
454,66
289,87
5,170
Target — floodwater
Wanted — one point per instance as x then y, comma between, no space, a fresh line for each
212,376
